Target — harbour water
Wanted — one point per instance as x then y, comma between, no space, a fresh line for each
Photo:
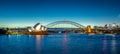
60,44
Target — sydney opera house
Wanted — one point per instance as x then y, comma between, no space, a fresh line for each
37,29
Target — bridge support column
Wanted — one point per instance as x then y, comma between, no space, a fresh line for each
89,29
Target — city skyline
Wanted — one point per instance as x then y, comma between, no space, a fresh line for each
85,12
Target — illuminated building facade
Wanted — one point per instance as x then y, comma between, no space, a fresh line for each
37,28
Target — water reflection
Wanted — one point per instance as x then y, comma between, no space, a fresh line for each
105,46
59,44
8,36
38,43
64,44
88,44
113,46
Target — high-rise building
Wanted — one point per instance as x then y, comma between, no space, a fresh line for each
114,25
106,27
110,27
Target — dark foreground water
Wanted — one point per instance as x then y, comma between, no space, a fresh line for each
60,44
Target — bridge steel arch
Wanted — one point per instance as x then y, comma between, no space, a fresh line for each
65,22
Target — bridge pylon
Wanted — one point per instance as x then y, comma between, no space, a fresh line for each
89,29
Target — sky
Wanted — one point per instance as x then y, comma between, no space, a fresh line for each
86,12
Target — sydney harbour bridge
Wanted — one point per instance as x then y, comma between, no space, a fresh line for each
61,27
56,27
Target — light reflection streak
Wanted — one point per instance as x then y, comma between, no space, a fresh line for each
113,46
29,35
64,44
104,46
38,43
8,36
88,44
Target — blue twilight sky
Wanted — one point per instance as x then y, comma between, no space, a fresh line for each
85,12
